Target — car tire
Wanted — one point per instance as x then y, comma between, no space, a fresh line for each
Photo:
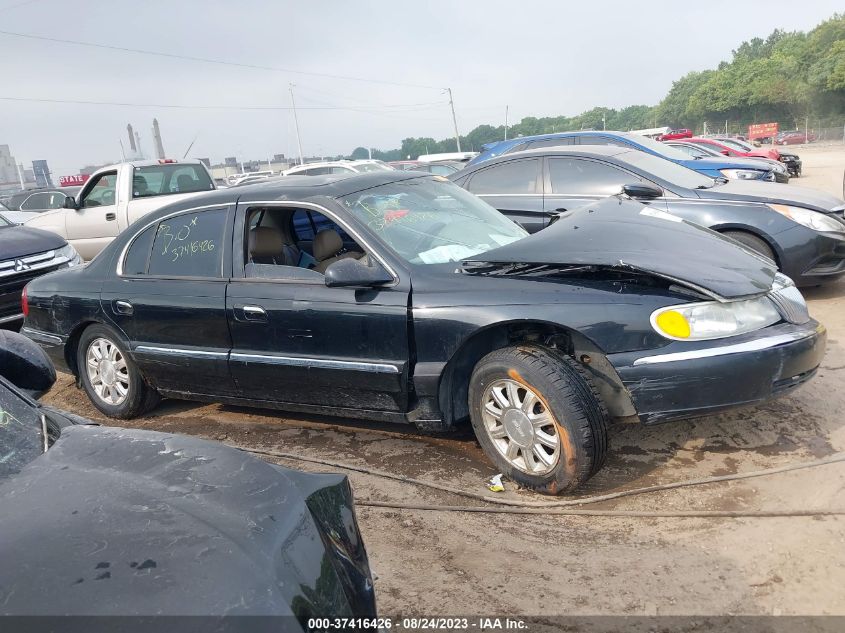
538,417
110,377
756,244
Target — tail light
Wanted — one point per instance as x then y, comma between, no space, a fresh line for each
24,302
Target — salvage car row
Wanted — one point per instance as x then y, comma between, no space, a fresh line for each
611,284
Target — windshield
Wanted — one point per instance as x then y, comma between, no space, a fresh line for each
667,170
366,167
657,147
432,221
21,440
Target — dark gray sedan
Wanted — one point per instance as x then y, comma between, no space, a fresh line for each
801,229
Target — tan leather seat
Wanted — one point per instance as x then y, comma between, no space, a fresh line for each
327,246
266,245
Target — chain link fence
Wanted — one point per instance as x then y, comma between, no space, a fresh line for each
818,130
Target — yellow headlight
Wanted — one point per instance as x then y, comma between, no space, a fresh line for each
673,323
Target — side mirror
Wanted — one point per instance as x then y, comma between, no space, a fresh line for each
726,152
352,272
25,364
70,203
642,190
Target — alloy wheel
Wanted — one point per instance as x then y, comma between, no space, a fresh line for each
521,427
107,371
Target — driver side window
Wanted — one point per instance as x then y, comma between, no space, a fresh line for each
294,244
102,192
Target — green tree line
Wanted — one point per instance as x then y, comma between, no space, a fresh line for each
786,77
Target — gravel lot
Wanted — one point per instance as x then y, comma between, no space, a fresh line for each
436,563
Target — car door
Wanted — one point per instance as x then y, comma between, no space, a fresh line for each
94,223
514,188
573,182
297,341
168,296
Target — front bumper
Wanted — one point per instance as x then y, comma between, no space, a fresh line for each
684,380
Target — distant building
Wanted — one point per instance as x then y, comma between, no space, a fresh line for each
42,173
8,167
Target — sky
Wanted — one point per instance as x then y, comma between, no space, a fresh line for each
538,58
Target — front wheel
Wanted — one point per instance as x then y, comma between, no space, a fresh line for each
538,418
110,377
756,244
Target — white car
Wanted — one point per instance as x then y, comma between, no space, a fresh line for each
337,167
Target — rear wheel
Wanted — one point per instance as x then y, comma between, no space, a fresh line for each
110,377
538,418
753,242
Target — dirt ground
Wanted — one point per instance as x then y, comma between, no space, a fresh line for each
439,563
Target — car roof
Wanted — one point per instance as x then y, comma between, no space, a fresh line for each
564,150
291,188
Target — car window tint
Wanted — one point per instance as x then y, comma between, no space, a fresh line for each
517,176
36,201
589,139
442,170
102,192
20,433
189,245
551,142
576,176
139,253
168,179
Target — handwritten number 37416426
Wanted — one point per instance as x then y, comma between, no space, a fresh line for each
182,247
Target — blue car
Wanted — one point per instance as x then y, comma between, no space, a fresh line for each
713,167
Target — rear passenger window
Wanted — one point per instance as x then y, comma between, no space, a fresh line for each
190,245
139,253
575,176
514,177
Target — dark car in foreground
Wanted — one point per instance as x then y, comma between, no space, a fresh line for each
801,229
26,253
722,167
124,522
398,296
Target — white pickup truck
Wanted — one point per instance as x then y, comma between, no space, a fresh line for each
117,195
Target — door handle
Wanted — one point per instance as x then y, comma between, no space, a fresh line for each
111,216
123,307
254,313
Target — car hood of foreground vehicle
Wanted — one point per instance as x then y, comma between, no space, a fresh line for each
772,192
112,521
624,234
20,241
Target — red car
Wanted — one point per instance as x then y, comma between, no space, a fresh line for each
728,147
673,135
794,138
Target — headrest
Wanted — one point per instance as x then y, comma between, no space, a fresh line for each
265,241
326,244
184,182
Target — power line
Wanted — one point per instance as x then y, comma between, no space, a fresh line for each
209,60
400,107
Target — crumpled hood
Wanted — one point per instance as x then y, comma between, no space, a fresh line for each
779,193
113,521
20,241
618,232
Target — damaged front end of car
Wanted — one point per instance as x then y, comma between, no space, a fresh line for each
730,330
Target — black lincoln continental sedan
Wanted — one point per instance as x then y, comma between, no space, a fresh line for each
400,296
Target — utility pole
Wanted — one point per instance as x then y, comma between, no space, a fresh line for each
20,175
454,119
506,123
807,130
603,122
370,153
296,123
